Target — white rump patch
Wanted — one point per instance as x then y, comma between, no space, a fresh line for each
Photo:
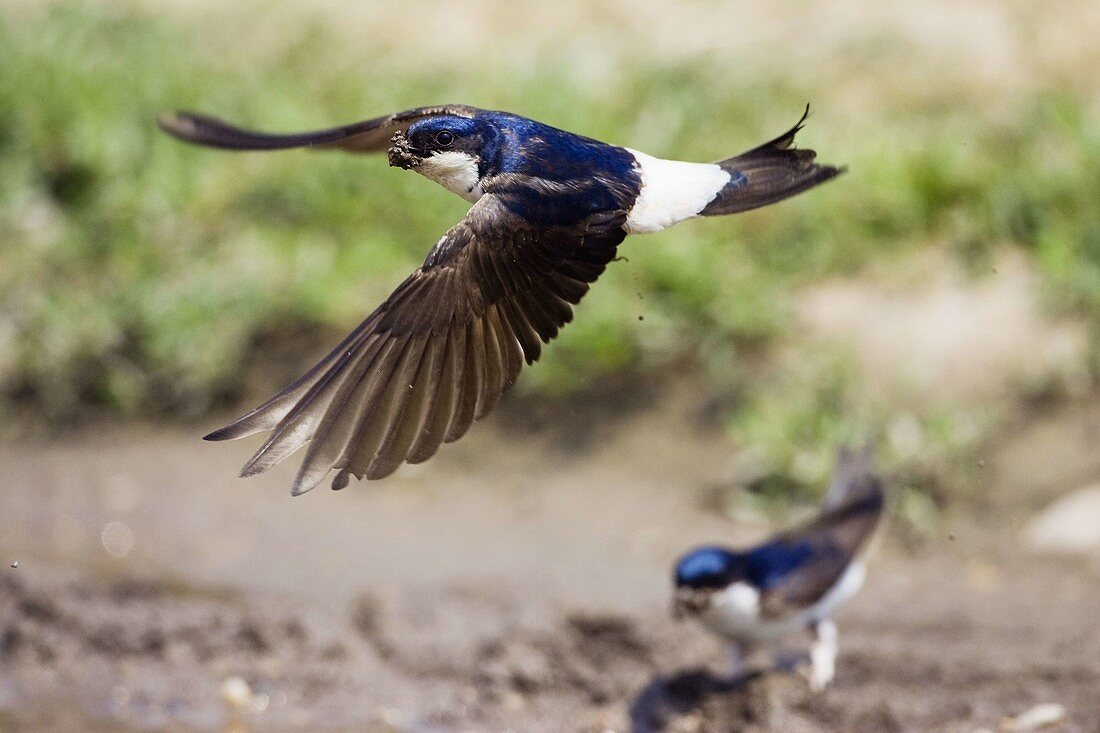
455,171
672,190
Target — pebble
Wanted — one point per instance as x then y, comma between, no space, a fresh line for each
1071,524
14,564
1036,718
236,694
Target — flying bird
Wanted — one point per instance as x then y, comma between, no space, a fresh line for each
549,210
792,582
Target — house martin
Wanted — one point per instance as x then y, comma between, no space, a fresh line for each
792,582
549,208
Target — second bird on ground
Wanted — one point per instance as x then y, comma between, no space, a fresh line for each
794,581
549,210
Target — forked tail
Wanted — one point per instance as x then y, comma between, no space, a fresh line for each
769,173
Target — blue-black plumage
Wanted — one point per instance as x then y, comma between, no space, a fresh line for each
549,209
793,581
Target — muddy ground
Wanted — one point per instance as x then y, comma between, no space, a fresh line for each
519,581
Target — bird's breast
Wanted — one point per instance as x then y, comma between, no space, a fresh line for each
734,612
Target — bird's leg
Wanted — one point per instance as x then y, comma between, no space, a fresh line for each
822,654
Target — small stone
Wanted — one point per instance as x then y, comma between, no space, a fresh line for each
1071,524
236,693
1036,718
14,564
117,539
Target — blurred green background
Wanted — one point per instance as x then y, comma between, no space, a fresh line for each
140,277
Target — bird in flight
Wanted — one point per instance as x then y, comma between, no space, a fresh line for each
549,210
793,581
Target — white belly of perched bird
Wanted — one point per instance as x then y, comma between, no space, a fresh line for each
457,172
672,190
735,612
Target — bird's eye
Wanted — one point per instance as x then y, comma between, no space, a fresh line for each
445,137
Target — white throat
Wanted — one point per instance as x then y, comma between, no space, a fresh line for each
455,171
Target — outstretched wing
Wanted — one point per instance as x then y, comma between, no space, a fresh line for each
439,352
820,551
369,136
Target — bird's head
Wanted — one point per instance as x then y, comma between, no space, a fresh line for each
448,149
700,574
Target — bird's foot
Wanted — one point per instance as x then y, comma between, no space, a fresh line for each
823,652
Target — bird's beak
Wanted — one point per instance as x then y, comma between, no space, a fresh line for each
688,602
402,154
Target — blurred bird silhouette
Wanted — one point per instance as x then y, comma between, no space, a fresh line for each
792,582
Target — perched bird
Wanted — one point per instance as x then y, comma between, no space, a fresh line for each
549,210
792,582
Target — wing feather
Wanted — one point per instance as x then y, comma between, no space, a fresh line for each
440,408
376,413
568,289
270,413
470,382
833,539
438,353
368,136
522,330
493,385
411,390
359,395
297,427
511,352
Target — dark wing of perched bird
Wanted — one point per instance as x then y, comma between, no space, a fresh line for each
439,352
369,136
796,568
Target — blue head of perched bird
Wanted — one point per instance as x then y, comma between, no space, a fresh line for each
793,581
549,210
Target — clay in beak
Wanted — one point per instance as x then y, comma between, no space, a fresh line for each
402,154
689,602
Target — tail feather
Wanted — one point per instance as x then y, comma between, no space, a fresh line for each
854,478
769,173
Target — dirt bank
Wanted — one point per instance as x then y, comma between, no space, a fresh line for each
536,601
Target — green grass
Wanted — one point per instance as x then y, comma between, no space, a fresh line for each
138,274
